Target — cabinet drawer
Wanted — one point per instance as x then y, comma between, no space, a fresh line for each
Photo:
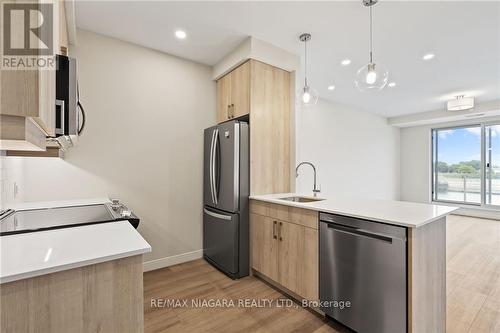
274,211
307,218
259,207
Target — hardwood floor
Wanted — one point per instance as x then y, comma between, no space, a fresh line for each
198,280
472,275
473,292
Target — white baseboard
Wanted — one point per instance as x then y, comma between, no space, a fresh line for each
172,260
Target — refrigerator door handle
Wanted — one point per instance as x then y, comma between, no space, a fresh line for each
214,172
211,167
218,216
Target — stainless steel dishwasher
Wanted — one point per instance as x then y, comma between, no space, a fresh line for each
364,263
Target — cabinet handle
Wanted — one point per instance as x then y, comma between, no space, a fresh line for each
275,224
279,231
232,110
228,113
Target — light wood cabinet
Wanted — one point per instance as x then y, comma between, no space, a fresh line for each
298,259
61,35
223,98
103,297
286,250
264,246
240,91
233,93
261,91
31,94
270,105
20,133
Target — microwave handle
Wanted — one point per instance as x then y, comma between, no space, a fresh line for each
81,125
80,106
60,103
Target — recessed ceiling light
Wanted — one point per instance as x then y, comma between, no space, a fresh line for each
180,34
428,56
392,84
346,62
331,87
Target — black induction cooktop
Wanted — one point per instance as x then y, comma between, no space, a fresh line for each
32,220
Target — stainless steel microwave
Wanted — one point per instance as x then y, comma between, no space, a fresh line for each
67,111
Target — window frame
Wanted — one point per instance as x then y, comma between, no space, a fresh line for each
434,151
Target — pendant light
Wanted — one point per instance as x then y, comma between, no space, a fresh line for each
373,76
460,103
306,95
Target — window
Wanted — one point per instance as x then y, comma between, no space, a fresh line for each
466,164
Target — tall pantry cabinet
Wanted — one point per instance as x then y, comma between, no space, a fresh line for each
261,92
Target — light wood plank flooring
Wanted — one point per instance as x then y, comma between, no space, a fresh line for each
472,275
473,292
198,280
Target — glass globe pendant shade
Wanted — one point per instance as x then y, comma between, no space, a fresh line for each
307,96
371,77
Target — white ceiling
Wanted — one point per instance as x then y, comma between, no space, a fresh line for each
465,36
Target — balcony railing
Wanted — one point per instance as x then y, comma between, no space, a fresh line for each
467,188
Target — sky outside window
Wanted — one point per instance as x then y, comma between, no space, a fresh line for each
459,145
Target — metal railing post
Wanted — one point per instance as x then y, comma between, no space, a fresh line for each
465,188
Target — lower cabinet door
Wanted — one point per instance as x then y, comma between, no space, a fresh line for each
264,245
298,259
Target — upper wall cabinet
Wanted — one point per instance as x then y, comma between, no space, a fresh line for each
27,97
61,33
263,92
233,93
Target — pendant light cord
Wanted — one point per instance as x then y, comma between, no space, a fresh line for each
371,35
305,62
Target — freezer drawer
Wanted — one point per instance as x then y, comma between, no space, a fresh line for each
364,262
221,239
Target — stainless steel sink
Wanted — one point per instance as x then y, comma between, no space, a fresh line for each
301,199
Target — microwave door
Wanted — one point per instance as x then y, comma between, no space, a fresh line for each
59,117
66,96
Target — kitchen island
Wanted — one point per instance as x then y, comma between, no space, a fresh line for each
285,244
79,279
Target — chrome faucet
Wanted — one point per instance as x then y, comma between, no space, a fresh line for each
316,190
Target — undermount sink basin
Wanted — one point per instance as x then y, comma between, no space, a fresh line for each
301,199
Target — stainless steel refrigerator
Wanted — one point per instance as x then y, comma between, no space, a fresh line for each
225,195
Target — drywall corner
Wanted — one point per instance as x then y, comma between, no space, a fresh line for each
253,48
236,57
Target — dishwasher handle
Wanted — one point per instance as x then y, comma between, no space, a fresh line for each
359,232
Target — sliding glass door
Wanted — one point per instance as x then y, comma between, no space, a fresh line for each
492,164
466,165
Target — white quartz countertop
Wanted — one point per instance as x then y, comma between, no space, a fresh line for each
407,214
37,253
32,254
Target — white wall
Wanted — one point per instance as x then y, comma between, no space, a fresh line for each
143,142
356,153
11,179
416,164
